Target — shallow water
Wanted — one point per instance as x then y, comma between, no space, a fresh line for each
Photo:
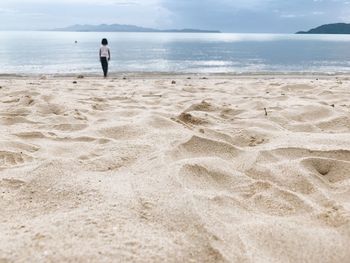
57,52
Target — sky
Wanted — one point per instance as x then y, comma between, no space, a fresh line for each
240,16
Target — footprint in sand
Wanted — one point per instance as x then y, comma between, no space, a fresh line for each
145,209
207,178
15,112
11,183
15,146
51,109
31,135
15,120
9,101
99,106
79,116
270,199
26,101
334,216
188,118
202,147
228,113
329,170
12,159
123,132
69,127
254,141
296,180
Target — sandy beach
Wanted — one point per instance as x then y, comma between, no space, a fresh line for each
175,168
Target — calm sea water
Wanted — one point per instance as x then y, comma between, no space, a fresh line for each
57,52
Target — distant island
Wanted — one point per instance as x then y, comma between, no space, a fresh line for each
338,28
127,28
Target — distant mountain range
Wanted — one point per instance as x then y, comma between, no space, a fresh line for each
127,28
338,28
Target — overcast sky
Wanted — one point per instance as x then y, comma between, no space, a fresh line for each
277,16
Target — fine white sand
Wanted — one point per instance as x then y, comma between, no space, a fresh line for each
143,170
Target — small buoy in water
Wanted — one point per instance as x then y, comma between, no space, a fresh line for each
76,42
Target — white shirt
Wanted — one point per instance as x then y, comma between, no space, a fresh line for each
104,52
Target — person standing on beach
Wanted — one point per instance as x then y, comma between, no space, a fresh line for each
105,56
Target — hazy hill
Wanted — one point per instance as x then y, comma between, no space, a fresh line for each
338,28
126,28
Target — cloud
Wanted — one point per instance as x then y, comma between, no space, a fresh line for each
256,15
225,15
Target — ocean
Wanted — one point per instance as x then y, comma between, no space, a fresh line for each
57,53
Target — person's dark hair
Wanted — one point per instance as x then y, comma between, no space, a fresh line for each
104,42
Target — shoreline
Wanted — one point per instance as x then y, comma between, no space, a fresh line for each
156,74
